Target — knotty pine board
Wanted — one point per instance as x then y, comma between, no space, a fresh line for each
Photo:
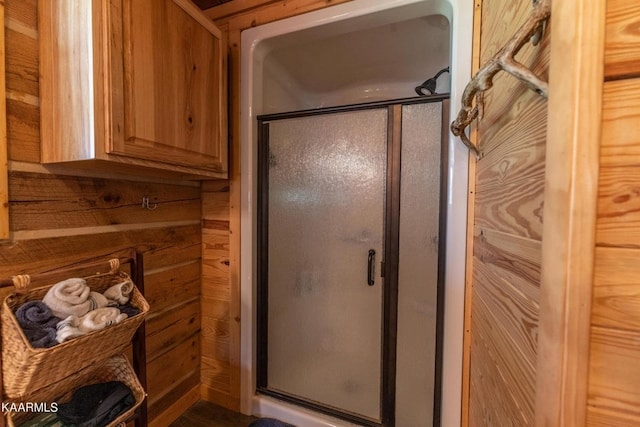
509,205
614,370
166,331
620,115
500,407
61,220
217,345
43,201
270,11
173,367
619,182
160,246
616,288
622,37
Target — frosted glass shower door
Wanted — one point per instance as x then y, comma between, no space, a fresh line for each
325,207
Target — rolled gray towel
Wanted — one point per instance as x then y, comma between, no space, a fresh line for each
35,315
42,338
38,324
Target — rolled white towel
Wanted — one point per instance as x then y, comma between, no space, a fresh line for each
69,297
120,292
100,319
95,320
72,297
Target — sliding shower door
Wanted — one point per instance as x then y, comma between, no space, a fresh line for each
321,240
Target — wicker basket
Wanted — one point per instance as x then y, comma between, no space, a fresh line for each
116,368
26,369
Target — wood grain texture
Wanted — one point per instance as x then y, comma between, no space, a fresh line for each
619,206
171,368
217,345
129,105
161,247
614,373
620,115
235,7
272,11
616,289
176,409
619,187
621,54
599,417
571,175
471,201
508,220
21,46
165,332
506,312
23,131
43,201
4,184
162,292
486,379
174,101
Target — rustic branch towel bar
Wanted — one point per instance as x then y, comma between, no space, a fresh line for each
504,59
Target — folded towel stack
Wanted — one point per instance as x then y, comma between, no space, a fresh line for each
38,323
72,297
95,320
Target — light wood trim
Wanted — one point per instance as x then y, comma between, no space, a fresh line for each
195,12
571,177
471,199
4,181
234,7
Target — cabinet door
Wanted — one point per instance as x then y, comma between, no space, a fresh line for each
174,86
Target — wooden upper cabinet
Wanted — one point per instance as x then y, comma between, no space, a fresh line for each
133,82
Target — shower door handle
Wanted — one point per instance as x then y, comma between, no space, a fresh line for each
371,267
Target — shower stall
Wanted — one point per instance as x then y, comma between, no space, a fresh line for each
353,215
350,259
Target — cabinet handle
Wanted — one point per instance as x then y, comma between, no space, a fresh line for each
371,267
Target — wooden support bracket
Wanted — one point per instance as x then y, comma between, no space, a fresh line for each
504,60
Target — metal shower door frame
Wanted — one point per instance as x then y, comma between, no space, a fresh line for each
389,264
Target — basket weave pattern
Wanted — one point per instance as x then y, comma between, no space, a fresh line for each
116,368
26,369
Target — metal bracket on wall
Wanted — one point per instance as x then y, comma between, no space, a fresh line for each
504,60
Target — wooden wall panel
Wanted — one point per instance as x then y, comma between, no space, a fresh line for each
58,220
616,289
220,354
621,54
619,195
221,216
614,396
614,372
508,218
71,202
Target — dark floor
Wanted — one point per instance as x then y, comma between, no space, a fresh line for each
205,414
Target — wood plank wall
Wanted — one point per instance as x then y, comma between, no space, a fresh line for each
509,195
57,219
614,395
221,232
